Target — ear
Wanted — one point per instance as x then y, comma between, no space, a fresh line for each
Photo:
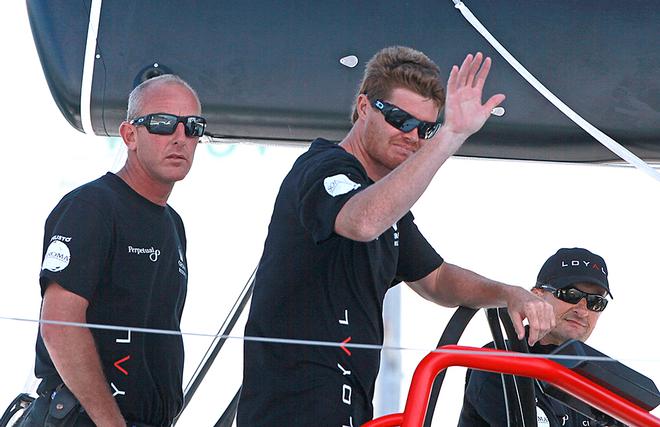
362,105
538,292
128,133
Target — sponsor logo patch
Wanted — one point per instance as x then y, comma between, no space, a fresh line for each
339,184
57,256
541,418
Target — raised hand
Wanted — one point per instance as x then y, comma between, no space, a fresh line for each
464,112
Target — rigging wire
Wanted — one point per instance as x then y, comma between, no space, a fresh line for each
233,310
292,341
217,343
600,136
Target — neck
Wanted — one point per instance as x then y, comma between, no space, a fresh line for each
354,144
547,341
154,191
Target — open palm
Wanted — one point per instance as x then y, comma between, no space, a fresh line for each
464,112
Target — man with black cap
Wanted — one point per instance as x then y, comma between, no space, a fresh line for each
574,281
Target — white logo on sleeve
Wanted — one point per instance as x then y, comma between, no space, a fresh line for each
339,184
57,256
182,265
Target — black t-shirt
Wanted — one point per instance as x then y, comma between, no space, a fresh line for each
313,284
484,404
126,256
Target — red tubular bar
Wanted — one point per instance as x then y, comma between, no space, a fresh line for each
535,367
386,421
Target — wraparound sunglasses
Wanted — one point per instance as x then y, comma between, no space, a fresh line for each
165,124
405,121
573,295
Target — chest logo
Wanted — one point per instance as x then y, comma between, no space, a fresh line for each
541,418
152,252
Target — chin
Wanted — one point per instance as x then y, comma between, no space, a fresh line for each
396,161
176,175
580,337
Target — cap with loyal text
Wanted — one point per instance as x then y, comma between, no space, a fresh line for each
574,265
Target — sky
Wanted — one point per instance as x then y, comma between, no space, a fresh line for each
501,219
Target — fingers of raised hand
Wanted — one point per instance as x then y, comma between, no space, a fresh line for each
464,70
474,69
472,73
453,79
480,79
493,102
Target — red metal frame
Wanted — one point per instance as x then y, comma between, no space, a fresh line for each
535,367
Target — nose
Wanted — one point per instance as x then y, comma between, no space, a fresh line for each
180,134
581,307
412,136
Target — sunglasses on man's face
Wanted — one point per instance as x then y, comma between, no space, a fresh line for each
573,295
165,124
405,121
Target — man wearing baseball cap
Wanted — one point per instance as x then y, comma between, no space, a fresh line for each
574,281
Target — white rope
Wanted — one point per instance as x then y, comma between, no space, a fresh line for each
348,345
88,67
608,142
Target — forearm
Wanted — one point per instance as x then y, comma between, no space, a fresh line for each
372,211
452,286
73,352
76,359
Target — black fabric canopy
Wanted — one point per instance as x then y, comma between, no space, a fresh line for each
270,71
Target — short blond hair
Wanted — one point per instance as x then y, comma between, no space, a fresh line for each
400,67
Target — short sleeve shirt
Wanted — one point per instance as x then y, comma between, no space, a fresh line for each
126,256
313,284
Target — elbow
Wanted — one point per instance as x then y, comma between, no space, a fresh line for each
444,300
59,339
62,306
440,287
366,234
50,334
360,231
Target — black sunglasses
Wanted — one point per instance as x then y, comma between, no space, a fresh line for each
165,124
405,121
573,295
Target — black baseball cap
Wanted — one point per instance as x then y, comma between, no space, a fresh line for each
574,265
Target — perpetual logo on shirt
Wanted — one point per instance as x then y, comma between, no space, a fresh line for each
339,184
152,252
57,255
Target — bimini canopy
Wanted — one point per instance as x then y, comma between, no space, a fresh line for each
283,71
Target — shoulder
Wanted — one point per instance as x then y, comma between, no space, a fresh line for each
103,188
95,196
323,153
176,218
475,379
478,380
327,164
